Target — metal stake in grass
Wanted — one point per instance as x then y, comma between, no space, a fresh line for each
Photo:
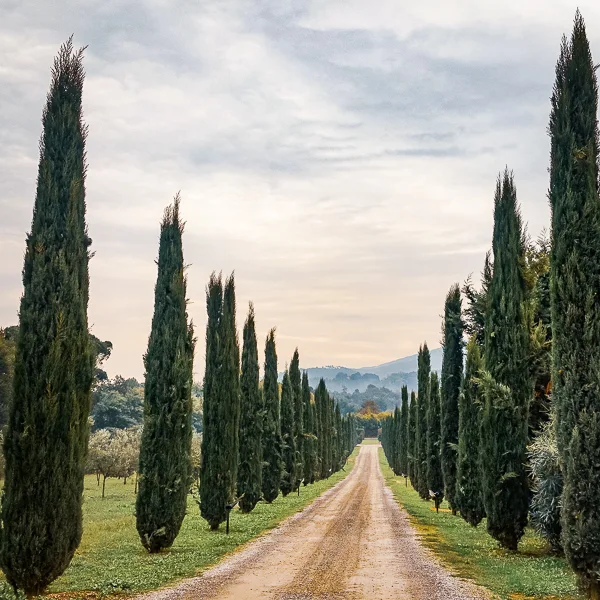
229,508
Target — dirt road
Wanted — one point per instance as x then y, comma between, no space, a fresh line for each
352,543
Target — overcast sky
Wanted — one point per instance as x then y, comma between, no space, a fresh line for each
340,155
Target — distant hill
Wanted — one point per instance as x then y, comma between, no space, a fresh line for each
391,375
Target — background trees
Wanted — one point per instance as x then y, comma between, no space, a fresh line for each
46,438
165,461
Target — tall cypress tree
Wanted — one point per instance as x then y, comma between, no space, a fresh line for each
412,440
469,497
221,407
338,455
404,440
452,366
435,480
391,440
271,439
288,476
575,304
322,402
249,481
295,380
165,465
423,376
46,438
308,446
508,386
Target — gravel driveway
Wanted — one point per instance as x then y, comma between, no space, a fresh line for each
352,543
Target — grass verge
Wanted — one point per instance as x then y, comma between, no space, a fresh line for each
111,559
531,574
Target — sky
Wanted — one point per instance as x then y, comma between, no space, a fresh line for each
339,155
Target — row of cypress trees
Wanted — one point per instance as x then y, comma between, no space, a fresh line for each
489,418
258,440
45,442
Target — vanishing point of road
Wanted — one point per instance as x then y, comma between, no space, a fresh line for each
351,543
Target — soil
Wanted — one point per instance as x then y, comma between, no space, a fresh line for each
352,543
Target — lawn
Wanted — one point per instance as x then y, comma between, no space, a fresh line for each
532,573
112,560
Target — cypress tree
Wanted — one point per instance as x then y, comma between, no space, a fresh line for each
295,380
165,467
221,407
404,440
338,458
391,440
412,440
508,386
322,402
452,366
308,446
46,438
249,481
435,480
575,304
423,376
469,498
271,439
288,475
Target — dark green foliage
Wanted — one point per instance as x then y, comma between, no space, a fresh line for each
221,408
468,476
322,402
412,440
404,436
574,285
47,433
338,458
288,476
452,372
548,484
435,480
424,374
165,467
249,481
397,441
309,443
508,386
271,439
295,380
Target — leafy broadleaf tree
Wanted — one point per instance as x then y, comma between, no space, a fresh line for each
165,454
575,302
424,382
508,386
271,439
47,432
249,482
435,480
452,366
288,475
468,476
295,381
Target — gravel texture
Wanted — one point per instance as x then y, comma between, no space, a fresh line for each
352,543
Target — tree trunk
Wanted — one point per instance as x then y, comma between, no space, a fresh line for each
103,486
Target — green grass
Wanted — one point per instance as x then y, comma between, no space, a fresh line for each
112,560
470,553
370,442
